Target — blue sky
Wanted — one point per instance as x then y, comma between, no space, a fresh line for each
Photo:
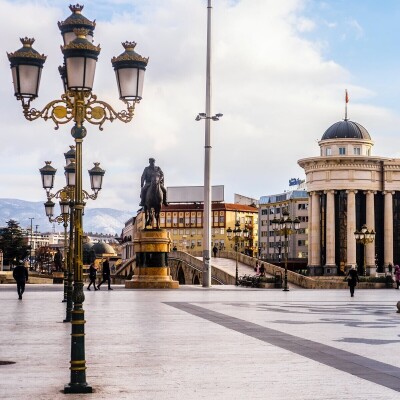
362,36
280,69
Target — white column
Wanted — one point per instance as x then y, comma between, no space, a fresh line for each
370,222
330,228
315,230
388,228
310,197
351,227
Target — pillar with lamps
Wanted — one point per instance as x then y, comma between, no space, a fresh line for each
67,202
364,237
285,227
237,235
78,104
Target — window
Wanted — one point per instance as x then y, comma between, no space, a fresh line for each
357,151
328,151
342,151
301,243
264,211
302,206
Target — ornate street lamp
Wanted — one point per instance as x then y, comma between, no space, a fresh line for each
78,105
238,235
364,237
285,226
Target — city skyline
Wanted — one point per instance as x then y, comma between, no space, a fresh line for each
280,70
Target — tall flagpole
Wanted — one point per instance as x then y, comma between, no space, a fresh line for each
346,99
207,163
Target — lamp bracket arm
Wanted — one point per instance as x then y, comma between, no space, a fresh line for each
97,112
66,193
60,219
59,111
87,196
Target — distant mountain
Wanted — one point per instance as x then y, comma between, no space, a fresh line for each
96,220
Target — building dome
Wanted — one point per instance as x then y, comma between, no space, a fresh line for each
88,246
103,248
346,130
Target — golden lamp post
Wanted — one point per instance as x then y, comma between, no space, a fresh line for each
285,227
364,237
237,235
77,104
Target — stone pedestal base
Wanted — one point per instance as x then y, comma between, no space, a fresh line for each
152,272
152,278
315,270
330,269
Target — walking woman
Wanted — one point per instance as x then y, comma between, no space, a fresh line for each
352,279
92,276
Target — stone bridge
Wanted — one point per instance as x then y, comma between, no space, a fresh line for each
187,269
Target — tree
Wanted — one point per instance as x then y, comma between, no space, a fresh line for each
12,243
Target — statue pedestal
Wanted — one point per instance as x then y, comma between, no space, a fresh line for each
151,247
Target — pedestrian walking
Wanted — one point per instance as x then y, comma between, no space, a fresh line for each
397,276
20,274
58,260
215,250
256,267
92,276
106,275
352,279
262,270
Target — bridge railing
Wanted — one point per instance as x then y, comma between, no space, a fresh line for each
217,274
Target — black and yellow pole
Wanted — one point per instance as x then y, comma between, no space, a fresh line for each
78,382
77,104
70,267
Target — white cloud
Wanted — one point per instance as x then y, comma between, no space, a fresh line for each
275,89
356,27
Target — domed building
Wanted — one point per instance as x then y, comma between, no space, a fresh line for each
103,249
349,188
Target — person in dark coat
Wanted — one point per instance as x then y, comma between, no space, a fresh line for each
58,260
20,274
106,275
92,276
352,279
215,250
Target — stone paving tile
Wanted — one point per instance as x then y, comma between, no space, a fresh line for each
138,346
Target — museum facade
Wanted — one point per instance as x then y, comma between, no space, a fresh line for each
349,187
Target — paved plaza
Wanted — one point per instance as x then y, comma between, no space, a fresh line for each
195,343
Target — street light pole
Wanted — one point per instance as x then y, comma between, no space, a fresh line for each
364,237
206,275
286,226
30,251
237,236
78,104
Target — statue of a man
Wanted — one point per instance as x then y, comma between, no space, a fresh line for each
147,175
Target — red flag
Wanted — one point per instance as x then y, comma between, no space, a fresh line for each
347,97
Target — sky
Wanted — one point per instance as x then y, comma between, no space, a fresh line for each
279,74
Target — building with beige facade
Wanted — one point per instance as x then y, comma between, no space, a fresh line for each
184,222
349,187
